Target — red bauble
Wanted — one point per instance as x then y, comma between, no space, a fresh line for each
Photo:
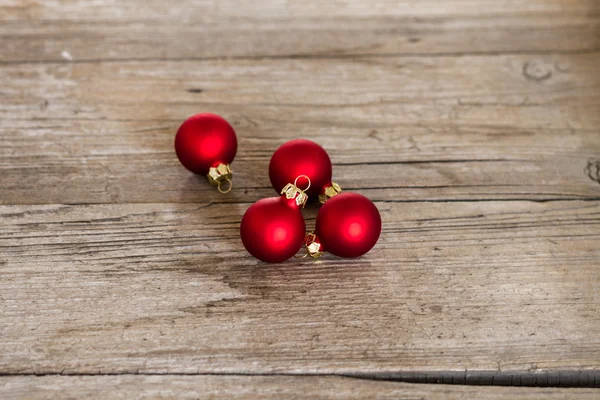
300,157
348,225
272,229
204,141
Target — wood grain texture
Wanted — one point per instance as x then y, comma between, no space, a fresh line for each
473,125
169,288
259,387
37,30
457,128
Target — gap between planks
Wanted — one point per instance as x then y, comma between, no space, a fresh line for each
550,200
562,378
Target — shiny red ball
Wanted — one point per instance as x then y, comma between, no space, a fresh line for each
348,225
300,157
204,141
273,229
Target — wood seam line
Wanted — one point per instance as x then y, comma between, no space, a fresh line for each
305,56
562,378
548,200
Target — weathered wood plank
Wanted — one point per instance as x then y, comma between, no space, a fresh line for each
501,127
259,387
436,110
80,30
169,288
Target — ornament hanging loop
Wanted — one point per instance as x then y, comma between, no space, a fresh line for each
219,174
305,177
229,186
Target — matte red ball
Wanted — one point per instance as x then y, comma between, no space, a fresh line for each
300,157
204,141
273,229
348,225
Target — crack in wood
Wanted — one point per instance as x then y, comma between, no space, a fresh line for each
314,56
562,378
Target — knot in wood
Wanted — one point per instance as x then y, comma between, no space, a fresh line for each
537,71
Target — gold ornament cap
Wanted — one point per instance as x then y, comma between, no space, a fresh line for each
219,174
313,245
292,191
329,191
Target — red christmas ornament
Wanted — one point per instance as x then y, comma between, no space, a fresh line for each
301,157
348,225
206,144
272,229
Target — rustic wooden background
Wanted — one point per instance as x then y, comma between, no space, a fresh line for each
473,125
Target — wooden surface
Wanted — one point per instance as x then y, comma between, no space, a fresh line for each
473,125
